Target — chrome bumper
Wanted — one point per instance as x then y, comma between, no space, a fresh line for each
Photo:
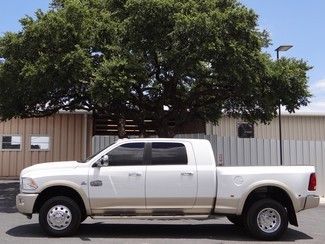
312,201
25,203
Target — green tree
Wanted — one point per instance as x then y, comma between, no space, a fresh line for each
167,60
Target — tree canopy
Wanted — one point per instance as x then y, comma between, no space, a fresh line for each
166,60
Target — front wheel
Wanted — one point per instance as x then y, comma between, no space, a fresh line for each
266,219
60,216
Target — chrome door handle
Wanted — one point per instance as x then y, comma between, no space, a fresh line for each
135,174
96,183
187,173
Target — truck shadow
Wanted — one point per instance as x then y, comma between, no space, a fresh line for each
225,232
8,192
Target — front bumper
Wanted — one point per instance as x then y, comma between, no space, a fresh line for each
312,201
25,203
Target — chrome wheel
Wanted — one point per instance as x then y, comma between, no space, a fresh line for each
59,217
268,220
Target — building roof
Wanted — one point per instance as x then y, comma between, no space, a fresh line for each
283,112
77,111
302,113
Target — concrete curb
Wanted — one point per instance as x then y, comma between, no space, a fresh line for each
8,181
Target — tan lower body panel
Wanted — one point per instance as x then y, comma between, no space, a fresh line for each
312,201
25,202
158,207
156,217
227,205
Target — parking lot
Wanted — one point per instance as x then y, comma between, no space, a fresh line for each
16,228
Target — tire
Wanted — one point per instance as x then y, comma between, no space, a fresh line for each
236,220
83,218
266,219
60,216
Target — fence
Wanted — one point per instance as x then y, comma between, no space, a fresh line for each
231,151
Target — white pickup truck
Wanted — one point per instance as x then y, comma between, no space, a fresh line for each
165,178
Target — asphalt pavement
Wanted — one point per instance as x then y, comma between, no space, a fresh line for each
16,228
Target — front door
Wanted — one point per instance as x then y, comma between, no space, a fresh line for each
120,186
171,179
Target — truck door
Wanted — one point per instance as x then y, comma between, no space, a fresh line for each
120,186
171,178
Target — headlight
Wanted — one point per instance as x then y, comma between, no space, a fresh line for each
28,184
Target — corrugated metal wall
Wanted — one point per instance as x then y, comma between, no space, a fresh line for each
101,142
233,151
294,127
66,132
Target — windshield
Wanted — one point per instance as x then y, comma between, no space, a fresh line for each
94,155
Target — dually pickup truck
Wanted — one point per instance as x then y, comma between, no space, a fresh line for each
165,178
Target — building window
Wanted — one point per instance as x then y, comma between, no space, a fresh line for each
10,142
39,143
245,130
166,153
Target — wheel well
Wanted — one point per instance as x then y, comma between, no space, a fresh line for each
275,193
54,191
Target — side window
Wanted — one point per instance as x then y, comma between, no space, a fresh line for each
127,154
165,153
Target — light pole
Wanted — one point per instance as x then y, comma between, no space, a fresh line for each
281,48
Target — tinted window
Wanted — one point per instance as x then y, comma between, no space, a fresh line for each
168,153
127,154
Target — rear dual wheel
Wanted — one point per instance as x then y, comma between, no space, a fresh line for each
266,219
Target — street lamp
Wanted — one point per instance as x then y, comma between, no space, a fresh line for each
281,48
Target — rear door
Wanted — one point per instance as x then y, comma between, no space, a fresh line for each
171,177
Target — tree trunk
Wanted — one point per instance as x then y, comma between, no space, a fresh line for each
142,130
141,126
164,130
121,128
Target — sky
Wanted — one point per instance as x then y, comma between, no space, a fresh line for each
298,23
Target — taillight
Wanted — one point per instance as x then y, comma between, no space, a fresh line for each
312,182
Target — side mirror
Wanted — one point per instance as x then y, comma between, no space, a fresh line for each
103,161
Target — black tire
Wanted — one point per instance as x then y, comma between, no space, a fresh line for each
273,220
74,216
83,218
236,220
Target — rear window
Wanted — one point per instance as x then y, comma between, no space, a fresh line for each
166,153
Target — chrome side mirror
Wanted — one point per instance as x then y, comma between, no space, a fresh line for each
103,161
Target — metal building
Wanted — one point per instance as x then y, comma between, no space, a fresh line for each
298,126
69,136
24,142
